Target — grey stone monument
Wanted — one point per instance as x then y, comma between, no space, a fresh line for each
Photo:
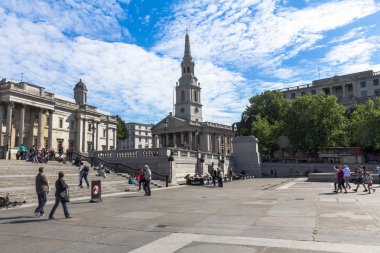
246,155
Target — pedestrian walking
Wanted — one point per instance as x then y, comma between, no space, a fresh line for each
147,179
275,173
271,173
220,177
140,178
340,180
214,176
42,189
360,179
61,196
347,175
378,172
369,181
83,175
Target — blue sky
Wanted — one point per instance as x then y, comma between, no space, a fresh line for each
128,52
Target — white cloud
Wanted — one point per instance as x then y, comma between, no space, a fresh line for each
254,33
358,52
122,78
97,19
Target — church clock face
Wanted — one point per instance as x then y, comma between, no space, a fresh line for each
196,110
182,110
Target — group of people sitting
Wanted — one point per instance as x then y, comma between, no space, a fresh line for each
38,156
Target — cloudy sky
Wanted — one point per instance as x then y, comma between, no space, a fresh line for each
128,52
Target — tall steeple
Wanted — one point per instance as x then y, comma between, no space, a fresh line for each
187,54
188,91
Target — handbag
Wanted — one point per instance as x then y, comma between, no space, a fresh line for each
65,195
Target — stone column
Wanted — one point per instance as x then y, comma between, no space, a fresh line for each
79,133
97,137
114,139
167,139
39,132
50,133
84,138
107,137
31,128
174,139
9,124
190,140
22,125
1,124
182,138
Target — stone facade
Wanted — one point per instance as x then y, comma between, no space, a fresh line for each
139,136
186,128
349,89
30,115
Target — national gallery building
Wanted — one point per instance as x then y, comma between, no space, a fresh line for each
30,115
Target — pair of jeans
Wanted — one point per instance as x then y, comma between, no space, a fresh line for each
42,199
85,179
220,181
56,204
147,187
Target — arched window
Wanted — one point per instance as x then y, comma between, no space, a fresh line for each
183,96
195,96
188,69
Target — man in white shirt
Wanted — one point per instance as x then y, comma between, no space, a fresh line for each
346,175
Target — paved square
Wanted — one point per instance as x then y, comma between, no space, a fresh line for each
260,215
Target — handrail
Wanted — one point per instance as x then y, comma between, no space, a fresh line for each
116,164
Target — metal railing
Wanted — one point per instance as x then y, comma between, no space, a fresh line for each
117,166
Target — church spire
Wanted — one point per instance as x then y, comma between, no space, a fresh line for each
187,54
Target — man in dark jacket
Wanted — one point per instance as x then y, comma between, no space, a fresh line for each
42,189
60,187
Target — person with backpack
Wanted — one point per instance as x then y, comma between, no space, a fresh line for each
61,196
83,175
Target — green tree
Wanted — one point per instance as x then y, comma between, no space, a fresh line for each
270,109
364,126
122,132
316,121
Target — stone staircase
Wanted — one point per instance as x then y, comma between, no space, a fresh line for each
18,179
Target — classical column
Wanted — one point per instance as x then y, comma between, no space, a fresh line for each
107,137
190,140
50,133
84,138
182,138
166,139
31,128
22,125
79,132
39,132
114,139
97,137
9,123
1,124
174,139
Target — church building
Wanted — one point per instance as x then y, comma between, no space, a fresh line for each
186,128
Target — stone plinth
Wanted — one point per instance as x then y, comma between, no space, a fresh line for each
246,155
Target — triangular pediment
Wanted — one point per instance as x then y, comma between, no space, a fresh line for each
170,122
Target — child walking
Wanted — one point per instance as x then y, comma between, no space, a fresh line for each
369,181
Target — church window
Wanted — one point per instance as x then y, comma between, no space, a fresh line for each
195,96
89,127
188,69
182,95
60,123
